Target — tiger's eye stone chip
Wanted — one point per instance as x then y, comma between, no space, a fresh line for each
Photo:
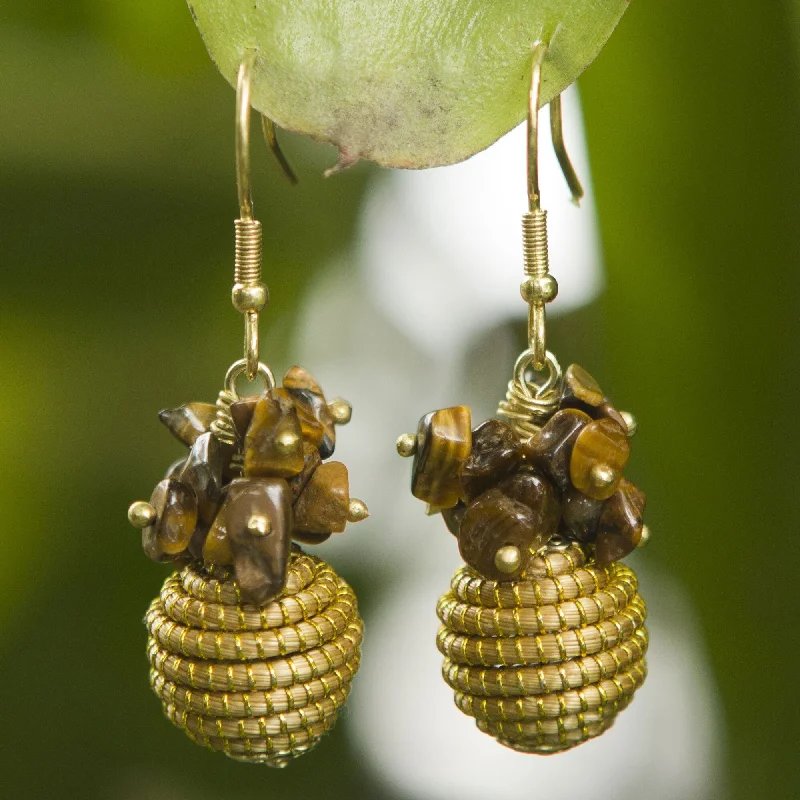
312,409
324,504
203,470
550,450
242,413
188,421
312,460
492,521
444,443
176,519
581,514
496,450
607,410
256,519
540,496
580,389
621,522
453,516
599,456
273,444
310,538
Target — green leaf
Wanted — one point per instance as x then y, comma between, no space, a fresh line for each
402,82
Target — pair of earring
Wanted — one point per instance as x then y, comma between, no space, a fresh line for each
253,644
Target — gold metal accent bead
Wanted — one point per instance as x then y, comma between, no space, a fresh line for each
507,559
357,510
630,422
645,536
247,298
341,411
407,445
258,525
602,476
141,514
542,289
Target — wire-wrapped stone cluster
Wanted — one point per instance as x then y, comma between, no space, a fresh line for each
542,629
253,644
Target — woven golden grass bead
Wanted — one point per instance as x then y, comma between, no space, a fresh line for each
257,683
544,663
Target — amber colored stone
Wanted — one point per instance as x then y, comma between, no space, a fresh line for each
452,517
580,514
496,450
188,421
273,445
197,542
259,560
580,390
492,521
216,546
540,496
176,519
607,410
599,456
311,460
323,506
242,413
550,449
620,526
203,470
312,409
444,443
174,469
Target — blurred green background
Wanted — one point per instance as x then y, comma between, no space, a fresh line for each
116,202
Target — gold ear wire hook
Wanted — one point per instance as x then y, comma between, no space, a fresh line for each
540,287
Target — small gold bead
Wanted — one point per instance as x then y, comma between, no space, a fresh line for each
341,411
141,514
357,510
543,289
645,537
407,445
630,422
249,298
258,525
602,475
507,559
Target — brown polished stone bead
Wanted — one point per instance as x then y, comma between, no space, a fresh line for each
310,538
312,409
599,456
242,413
581,514
550,449
174,469
580,390
197,542
496,450
620,526
176,519
203,470
273,445
216,546
607,410
444,442
311,460
452,517
188,421
324,504
540,496
257,518
490,522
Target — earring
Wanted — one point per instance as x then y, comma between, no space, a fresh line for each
543,628
252,643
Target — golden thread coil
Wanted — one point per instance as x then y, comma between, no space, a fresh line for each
261,684
247,262
526,412
547,662
534,243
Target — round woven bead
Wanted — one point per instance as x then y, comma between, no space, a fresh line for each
546,662
260,684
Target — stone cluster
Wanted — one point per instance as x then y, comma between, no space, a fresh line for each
504,499
239,503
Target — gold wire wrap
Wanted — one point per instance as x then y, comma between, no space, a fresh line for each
547,662
260,684
527,405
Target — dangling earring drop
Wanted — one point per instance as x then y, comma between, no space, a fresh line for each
252,643
543,628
